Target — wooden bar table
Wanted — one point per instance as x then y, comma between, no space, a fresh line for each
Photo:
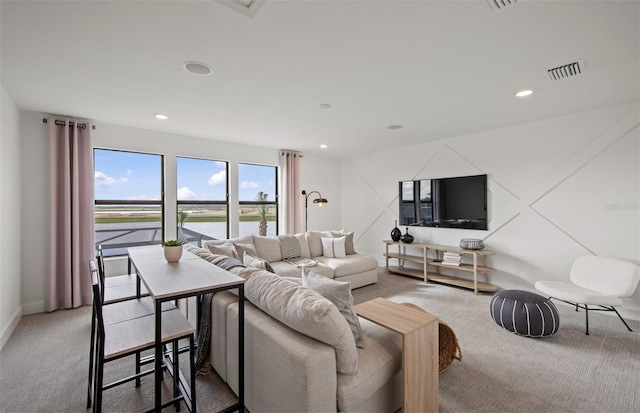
420,350
189,277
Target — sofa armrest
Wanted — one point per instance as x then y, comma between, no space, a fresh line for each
285,371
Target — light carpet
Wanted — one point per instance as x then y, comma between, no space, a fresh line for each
43,366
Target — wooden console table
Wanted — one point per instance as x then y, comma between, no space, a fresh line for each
477,266
420,350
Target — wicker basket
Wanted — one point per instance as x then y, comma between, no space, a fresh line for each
448,343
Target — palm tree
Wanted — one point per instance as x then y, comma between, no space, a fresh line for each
182,217
262,210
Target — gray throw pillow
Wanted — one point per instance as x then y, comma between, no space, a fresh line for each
339,293
255,262
348,244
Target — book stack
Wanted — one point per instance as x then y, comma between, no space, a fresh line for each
451,258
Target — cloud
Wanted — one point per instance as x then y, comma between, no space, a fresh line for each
185,193
104,179
218,178
247,184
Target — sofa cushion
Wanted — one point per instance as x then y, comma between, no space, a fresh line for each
379,363
222,249
247,239
339,293
287,270
355,264
242,248
348,245
304,246
268,248
255,262
315,243
289,246
307,312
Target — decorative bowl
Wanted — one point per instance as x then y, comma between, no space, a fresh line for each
471,244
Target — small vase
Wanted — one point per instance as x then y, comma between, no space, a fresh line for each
173,253
407,238
395,233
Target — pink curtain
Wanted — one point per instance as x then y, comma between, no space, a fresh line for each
290,165
71,217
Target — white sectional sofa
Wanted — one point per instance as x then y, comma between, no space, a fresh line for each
357,269
300,353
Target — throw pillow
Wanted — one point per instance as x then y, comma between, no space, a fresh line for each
305,311
339,293
268,248
255,262
348,244
333,247
289,247
304,246
242,248
314,242
222,249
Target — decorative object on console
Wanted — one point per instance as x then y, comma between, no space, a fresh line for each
320,201
396,233
172,250
471,244
407,238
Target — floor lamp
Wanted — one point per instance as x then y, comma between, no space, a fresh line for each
320,201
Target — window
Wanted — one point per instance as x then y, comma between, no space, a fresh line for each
258,196
203,206
128,199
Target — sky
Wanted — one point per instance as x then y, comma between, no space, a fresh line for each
135,176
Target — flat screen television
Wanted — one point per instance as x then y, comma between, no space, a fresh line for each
459,202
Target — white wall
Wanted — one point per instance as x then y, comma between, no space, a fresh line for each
10,213
558,189
35,167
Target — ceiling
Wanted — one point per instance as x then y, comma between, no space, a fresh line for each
439,69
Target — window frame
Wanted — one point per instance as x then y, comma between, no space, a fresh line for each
202,202
106,202
275,202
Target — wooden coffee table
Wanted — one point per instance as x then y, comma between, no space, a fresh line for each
420,352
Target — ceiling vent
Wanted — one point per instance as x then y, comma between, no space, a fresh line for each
501,4
565,71
248,7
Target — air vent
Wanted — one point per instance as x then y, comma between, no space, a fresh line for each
567,70
248,7
501,4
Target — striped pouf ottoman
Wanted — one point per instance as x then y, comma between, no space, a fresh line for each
524,313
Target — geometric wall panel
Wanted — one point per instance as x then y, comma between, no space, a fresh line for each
558,188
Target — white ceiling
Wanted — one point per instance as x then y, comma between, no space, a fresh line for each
439,68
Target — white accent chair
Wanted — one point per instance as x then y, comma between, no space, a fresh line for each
595,281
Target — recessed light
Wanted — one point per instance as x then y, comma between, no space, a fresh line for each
393,127
323,146
197,68
324,106
524,93
161,116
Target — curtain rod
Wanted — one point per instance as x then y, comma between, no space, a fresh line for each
62,123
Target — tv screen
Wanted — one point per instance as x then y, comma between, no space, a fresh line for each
459,202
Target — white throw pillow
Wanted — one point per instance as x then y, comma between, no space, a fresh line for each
333,247
339,293
268,248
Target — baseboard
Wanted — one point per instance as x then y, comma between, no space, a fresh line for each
8,330
33,308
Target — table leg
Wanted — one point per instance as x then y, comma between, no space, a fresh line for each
241,348
158,357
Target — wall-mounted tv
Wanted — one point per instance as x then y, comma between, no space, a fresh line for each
459,202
